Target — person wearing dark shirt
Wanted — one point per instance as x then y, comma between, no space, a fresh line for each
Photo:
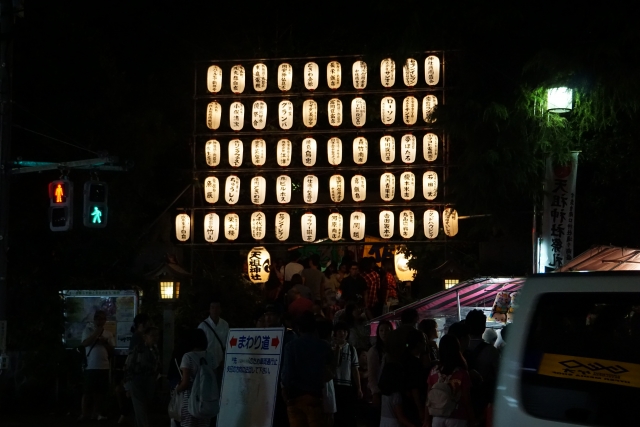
353,286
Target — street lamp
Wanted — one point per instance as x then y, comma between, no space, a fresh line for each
559,100
169,290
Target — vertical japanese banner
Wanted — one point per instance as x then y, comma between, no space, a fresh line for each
556,245
250,380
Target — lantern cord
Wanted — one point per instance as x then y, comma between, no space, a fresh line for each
56,139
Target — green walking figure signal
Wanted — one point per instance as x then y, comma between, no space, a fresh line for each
95,210
96,214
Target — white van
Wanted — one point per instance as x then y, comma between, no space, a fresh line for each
572,356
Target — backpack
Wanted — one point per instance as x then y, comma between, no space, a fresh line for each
441,399
204,400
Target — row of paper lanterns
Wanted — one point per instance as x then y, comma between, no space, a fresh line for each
308,225
311,75
388,107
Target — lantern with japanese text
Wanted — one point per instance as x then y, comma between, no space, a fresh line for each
214,79
334,151
285,114
358,112
429,104
336,188
431,223
559,100
357,225
408,148
258,190
334,75
259,115
258,152
450,222
430,185
387,149
388,110
237,79
410,72
358,188
260,77
360,150
432,70
211,189
258,265
388,72
308,227
183,227
407,185
410,110
430,147
283,223
231,226
310,189
211,227
335,226
404,273
386,222
387,186
236,115
284,152
212,152
310,113
283,189
311,75
334,111
359,73
214,113
258,225
309,151
407,222
232,189
236,152
285,77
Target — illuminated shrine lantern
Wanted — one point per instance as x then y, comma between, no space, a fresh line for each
334,111
387,186
388,110
259,115
359,72
310,189
450,222
334,75
311,75
335,226
407,185
232,189
410,72
430,147
236,115
211,189
258,152
358,188
285,114
407,222
429,104
309,151
283,224
387,72
258,225
283,189
358,112
308,227
285,77
336,188
258,265
236,151
231,226
258,190
214,79
431,223
386,221
360,150
357,225
214,113
410,110
403,272
387,149
430,185
183,227
334,151
408,148
284,152
237,79
211,227
310,113
432,70
212,152
260,77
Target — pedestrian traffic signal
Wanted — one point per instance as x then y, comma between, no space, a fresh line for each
95,208
61,205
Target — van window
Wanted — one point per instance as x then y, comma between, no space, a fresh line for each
582,359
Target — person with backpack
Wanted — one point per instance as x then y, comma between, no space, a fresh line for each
216,329
347,379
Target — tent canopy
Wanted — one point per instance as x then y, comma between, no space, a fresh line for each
605,258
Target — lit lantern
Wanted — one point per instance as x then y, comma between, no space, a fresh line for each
309,151
403,272
358,112
183,227
283,189
430,185
232,189
387,72
335,226
259,115
410,72
388,110
310,113
357,225
359,72
336,188
284,152
386,221
388,149
310,189
407,224
430,147
212,152
214,79
236,151
258,152
360,150
258,225
283,223
259,265
334,111
285,77
431,223
410,110
408,148
236,115
432,70
260,77
429,104
387,186
407,185
559,99
237,79
211,227
285,114
358,188
231,226
308,227
258,190
334,151
334,75
211,189
311,75
450,222
214,113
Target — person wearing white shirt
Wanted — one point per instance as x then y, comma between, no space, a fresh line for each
217,331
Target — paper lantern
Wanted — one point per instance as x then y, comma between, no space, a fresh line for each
237,79
559,100
430,147
407,185
387,186
358,112
388,110
430,185
334,151
410,72
211,227
258,225
429,104
403,272
335,226
310,113
283,223
258,152
214,113
450,222
334,75
236,151
408,148
432,70
311,75
285,114
214,79
211,189
407,224
360,150
386,221
359,72
388,149
387,72
431,223
259,115
336,188
283,189
260,77
310,189
309,151
236,115
258,265
232,189
284,152
358,188
285,77
183,227
357,225
258,190
334,111
231,226
212,152
308,227
410,110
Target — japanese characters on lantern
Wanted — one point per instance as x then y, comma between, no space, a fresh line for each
335,226
310,113
388,110
387,186
410,110
214,113
231,226
407,223
432,70
211,189
388,72
334,75
358,188
236,116
430,185
430,147
334,151
410,72
450,222
334,111
407,185
336,188
360,150
212,152
358,112
310,189
237,79
259,115
284,152
429,104
386,223
283,223
408,148
214,79
258,190
285,114
211,227
357,225
387,149
260,77
431,223
309,151
236,151
285,77
232,189
359,72
308,227
183,227
311,75
283,189
258,265
258,152
258,225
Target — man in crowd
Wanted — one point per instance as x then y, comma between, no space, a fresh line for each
353,286
298,304
291,268
313,278
372,279
217,331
